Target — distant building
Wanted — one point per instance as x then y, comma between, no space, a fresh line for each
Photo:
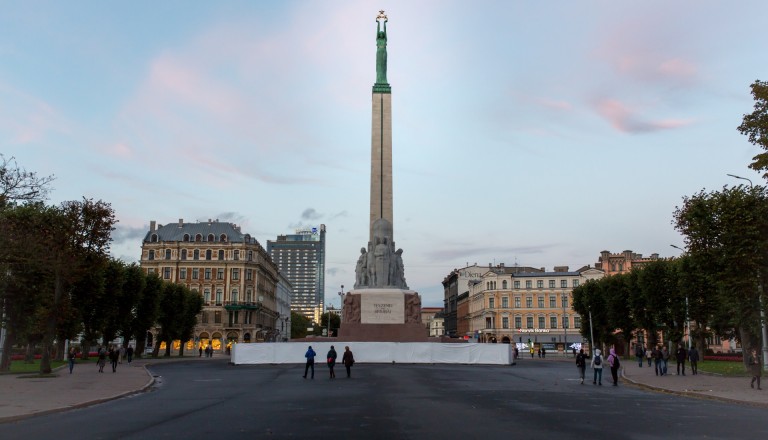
284,294
430,320
231,271
513,306
612,264
300,257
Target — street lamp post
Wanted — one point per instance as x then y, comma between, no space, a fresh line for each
565,327
759,297
687,319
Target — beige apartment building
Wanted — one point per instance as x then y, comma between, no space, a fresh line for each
524,306
232,272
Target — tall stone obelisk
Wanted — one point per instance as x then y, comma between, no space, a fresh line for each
381,133
381,307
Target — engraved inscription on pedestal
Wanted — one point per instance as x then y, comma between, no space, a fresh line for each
382,308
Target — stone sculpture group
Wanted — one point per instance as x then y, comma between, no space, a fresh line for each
380,266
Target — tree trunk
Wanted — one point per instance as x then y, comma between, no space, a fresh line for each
181,349
50,326
5,361
168,348
29,355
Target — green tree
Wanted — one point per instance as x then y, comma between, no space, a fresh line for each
193,305
335,322
299,325
147,311
755,126
133,290
87,294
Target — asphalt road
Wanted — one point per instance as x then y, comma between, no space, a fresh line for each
533,400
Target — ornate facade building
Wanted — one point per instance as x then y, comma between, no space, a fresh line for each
522,305
232,272
623,262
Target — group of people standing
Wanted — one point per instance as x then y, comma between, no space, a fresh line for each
347,359
597,366
208,350
114,354
660,358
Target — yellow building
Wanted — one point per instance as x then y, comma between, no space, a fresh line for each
232,272
518,307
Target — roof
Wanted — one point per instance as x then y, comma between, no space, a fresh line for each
177,231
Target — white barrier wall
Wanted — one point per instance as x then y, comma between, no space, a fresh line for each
375,352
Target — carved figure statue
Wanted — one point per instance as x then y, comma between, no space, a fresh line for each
370,266
356,304
346,313
381,50
413,308
361,270
400,269
382,254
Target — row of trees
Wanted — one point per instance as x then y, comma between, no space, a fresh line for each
58,282
717,283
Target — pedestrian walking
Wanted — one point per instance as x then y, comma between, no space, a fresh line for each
200,350
581,364
348,360
613,361
656,354
539,352
755,369
331,361
649,355
531,352
639,354
310,355
597,368
71,355
543,352
129,353
114,357
122,354
693,357
680,356
102,358
664,360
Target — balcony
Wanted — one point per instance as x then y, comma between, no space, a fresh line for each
242,305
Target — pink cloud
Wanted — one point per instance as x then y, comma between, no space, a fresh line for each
627,120
28,119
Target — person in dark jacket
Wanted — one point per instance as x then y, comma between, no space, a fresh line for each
613,361
71,355
693,357
680,356
331,361
310,355
755,369
114,357
102,358
348,360
581,364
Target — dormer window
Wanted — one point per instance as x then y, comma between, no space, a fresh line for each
211,237
198,237
223,238
186,237
153,238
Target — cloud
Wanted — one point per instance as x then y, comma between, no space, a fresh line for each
627,120
25,119
128,234
473,252
310,214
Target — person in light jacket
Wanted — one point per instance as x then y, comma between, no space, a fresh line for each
597,367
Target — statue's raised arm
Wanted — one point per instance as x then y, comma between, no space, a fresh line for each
381,49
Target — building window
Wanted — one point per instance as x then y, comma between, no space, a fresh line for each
517,301
504,322
528,302
541,302
204,318
528,284
183,254
219,295
551,284
518,322
198,237
248,296
217,317
248,274
621,267
196,254
167,254
491,303
540,284
565,302
235,296
250,255
211,237
235,274
575,283
505,302
552,302
220,274
195,273
563,283
167,273
207,296
183,274
237,255
221,254
529,322
223,238
541,322
553,322
153,239
517,284
207,273
208,254
577,321
186,237
565,322
504,284
151,255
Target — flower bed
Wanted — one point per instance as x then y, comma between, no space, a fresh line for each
729,358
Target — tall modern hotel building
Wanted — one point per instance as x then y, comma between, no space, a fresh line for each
300,258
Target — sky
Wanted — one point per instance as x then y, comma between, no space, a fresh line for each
529,133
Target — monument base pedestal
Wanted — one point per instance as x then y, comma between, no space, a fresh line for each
357,332
382,315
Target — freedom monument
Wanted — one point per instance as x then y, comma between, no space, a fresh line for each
381,319
381,308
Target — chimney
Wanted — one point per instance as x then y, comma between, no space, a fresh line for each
152,226
181,223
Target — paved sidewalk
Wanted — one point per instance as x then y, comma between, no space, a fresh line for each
23,397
